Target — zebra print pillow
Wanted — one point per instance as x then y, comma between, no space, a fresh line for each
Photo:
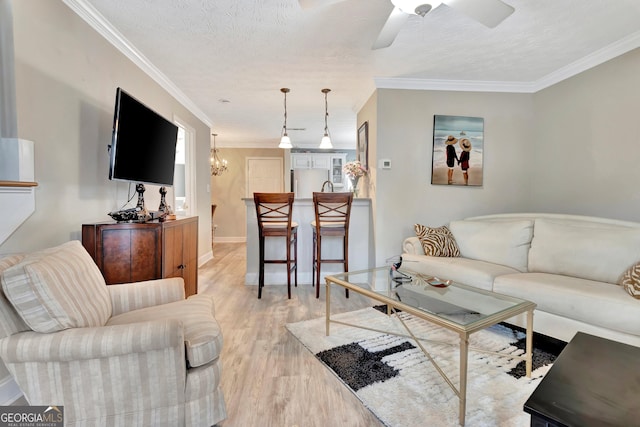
437,241
631,280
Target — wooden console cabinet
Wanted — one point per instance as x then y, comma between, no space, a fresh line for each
132,252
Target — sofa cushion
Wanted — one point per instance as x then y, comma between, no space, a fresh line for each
596,303
599,252
437,241
462,270
10,321
630,280
202,335
58,288
505,242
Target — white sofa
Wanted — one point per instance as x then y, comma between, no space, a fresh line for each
569,265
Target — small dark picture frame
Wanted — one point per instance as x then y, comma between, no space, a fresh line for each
362,153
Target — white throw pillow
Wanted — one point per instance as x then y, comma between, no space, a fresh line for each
599,252
58,288
499,242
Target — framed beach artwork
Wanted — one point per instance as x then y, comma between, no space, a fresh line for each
458,147
362,153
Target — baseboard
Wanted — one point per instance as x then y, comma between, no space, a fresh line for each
230,240
205,258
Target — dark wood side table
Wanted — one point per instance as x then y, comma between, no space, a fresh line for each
595,382
133,252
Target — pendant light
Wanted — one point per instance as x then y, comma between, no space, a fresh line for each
217,166
326,140
285,141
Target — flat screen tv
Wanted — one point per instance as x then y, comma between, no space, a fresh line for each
143,143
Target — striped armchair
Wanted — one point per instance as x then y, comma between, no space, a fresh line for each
121,355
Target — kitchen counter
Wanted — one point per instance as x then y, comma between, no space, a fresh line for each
361,254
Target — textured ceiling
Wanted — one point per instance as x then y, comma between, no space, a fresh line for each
244,51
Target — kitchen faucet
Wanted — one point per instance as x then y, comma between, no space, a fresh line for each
330,185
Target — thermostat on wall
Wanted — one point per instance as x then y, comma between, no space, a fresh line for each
384,163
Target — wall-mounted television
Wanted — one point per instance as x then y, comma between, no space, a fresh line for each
143,143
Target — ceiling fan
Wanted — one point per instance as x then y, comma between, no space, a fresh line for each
487,12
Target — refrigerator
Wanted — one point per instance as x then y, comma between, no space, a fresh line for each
305,181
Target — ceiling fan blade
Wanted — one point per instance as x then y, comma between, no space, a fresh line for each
308,4
391,28
487,12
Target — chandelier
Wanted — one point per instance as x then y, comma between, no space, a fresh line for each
326,140
217,166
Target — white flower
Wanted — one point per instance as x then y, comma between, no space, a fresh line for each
354,169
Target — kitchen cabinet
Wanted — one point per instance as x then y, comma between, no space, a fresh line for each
337,174
133,252
310,161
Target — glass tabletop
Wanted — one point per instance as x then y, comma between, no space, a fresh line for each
459,304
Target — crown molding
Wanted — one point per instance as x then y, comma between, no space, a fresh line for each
452,85
594,59
96,21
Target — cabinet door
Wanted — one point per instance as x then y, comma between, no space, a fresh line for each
190,256
300,161
129,254
320,161
337,174
173,253
181,253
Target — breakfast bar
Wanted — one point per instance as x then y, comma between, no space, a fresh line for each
360,243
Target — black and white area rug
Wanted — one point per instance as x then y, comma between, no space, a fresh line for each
395,380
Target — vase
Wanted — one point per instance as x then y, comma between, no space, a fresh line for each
354,185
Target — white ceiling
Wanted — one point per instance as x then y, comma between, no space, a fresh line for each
244,51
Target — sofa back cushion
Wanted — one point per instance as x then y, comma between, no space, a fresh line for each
594,251
58,288
499,242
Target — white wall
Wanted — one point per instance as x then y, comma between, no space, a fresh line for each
587,137
403,133
571,148
66,78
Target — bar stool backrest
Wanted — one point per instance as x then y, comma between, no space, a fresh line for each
332,210
274,211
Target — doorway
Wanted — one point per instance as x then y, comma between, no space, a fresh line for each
264,175
184,179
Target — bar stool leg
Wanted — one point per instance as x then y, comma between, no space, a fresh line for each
295,253
318,263
288,266
261,275
345,251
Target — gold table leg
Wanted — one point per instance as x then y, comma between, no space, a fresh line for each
327,305
464,356
529,355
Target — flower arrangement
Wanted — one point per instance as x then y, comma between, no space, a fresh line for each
354,169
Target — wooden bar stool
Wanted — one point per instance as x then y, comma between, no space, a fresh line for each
332,220
274,220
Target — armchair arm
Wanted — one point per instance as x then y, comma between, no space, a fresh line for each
92,343
133,296
412,245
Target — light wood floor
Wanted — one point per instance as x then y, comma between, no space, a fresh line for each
268,377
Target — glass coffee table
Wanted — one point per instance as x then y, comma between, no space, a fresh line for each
456,307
